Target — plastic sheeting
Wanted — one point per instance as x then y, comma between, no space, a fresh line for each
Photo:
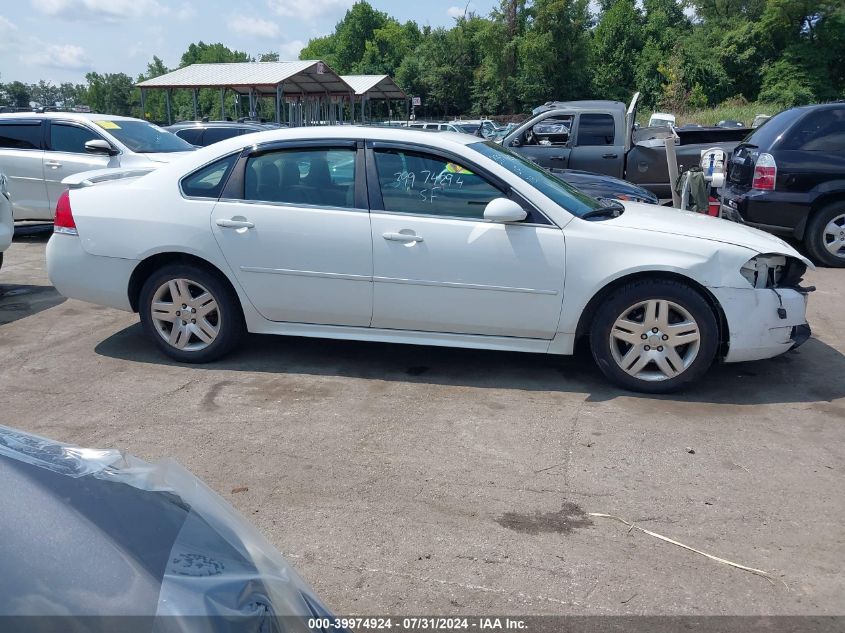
98,533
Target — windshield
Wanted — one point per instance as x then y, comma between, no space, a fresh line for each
564,194
469,128
144,138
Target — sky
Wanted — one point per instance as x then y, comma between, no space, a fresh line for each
61,40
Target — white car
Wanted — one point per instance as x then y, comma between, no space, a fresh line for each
407,237
7,222
39,150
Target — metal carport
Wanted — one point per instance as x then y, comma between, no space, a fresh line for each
375,87
314,93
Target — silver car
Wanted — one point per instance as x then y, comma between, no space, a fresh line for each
39,150
7,225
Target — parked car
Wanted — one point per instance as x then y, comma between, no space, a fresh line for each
436,240
788,177
759,120
482,127
100,540
730,123
661,119
599,137
601,186
39,150
203,133
434,126
7,222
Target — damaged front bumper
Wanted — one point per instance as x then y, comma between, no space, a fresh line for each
763,323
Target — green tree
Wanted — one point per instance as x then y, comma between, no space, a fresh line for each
616,47
110,93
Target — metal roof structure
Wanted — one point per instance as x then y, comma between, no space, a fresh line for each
308,77
374,86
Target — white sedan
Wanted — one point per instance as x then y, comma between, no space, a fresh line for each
400,236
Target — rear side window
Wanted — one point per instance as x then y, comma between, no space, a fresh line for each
819,131
70,138
20,135
208,181
322,177
216,134
596,129
192,135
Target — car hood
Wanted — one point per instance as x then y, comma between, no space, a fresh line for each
166,157
648,217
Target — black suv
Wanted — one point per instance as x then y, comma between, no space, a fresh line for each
788,177
203,133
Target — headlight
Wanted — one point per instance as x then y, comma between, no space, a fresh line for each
773,271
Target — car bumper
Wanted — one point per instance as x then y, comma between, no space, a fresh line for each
756,330
79,275
781,212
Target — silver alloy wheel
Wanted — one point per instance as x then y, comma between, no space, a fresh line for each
655,340
834,236
185,314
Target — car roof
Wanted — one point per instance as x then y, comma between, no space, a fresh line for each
203,124
78,116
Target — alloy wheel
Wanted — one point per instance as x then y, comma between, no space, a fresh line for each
185,314
655,340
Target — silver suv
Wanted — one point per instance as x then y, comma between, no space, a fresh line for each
39,150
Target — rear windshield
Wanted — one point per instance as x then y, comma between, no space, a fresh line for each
564,194
145,138
765,136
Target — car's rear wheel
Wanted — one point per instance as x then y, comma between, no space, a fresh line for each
190,313
654,336
825,235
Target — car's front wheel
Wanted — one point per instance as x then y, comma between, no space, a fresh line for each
825,235
654,336
190,313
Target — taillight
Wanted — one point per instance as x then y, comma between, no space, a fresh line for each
765,173
64,216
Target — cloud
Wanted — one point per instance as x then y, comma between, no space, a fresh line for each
67,56
9,34
103,10
254,26
310,9
459,12
289,51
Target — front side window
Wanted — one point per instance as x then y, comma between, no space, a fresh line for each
596,129
322,177
70,138
563,194
550,131
423,184
208,181
20,135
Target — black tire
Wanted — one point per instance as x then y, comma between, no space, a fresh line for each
685,299
814,235
227,317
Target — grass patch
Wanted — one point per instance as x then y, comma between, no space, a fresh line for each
711,116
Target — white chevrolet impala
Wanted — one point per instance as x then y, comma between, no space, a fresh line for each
408,237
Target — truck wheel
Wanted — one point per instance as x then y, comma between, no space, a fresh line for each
825,236
654,336
191,314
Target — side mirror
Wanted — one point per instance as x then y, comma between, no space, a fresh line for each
504,210
100,146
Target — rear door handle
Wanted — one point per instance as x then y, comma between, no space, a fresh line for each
405,238
235,224
610,155
53,163
558,157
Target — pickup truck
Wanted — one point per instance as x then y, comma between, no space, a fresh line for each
600,137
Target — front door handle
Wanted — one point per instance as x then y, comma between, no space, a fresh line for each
53,164
558,157
405,238
610,155
235,224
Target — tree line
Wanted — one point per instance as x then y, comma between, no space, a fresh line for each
680,54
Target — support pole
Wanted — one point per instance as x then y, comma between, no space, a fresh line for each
279,104
143,109
167,100
196,107
222,104
672,164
